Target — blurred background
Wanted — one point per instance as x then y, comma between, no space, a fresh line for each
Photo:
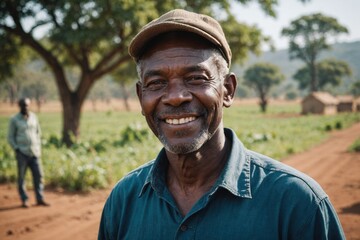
297,63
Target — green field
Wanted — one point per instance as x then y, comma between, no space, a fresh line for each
113,143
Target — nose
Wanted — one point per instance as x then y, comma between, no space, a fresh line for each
176,94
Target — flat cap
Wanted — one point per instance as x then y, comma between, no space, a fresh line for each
181,20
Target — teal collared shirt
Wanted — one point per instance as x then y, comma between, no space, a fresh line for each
24,134
255,197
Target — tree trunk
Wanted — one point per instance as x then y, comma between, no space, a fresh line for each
13,90
263,101
263,105
71,119
313,75
125,96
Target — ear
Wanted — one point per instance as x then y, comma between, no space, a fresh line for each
139,94
230,83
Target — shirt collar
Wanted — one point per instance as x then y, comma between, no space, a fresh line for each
235,176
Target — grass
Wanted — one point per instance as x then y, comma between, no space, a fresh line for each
113,143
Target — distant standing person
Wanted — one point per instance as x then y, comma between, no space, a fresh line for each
24,138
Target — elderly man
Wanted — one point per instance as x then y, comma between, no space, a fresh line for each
24,138
205,184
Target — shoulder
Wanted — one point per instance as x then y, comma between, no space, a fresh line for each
287,179
15,118
32,115
132,183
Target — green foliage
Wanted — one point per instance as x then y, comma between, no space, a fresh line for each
328,127
114,144
308,36
261,77
291,95
9,55
93,36
289,134
338,125
355,147
133,133
329,72
331,125
355,88
7,163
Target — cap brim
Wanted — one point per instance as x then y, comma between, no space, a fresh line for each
140,40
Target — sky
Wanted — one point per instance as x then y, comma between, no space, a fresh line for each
347,13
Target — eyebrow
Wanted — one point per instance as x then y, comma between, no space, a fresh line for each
152,73
195,68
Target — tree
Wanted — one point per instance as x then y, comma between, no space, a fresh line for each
355,88
261,77
309,36
125,75
93,36
329,71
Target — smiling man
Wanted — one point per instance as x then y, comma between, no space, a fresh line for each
205,184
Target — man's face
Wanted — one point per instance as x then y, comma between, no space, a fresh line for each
24,106
181,94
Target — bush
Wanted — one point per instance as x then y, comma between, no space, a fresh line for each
355,147
7,164
328,127
112,144
338,125
133,133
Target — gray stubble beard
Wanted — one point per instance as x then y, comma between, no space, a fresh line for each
185,148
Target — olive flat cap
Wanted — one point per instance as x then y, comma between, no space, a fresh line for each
181,20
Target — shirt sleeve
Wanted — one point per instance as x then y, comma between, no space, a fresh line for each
102,228
103,233
12,134
325,224
38,129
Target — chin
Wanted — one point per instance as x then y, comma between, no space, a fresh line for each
181,148
186,146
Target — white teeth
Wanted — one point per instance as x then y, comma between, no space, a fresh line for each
179,121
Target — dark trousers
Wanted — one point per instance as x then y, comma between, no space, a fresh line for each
34,163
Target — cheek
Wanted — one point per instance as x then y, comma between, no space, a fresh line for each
149,105
213,102
148,102
211,97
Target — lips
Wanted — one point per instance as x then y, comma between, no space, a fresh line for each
178,121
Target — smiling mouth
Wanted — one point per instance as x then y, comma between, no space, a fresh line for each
178,121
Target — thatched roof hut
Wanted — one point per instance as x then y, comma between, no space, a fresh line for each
357,104
319,103
346,103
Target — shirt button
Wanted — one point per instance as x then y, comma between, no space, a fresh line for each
183,228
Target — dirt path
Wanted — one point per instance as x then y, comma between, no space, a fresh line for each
76,216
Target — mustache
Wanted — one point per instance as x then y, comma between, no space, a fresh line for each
180,110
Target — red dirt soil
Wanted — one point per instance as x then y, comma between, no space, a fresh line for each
76,216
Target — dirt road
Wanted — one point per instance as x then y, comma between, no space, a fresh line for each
76,216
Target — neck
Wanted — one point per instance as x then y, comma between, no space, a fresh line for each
25,114
198,169
192,175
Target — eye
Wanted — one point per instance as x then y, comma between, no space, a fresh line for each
196,79
155,84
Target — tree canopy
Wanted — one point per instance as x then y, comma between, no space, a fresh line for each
330,72
308,37
261,77
355,88
93,35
